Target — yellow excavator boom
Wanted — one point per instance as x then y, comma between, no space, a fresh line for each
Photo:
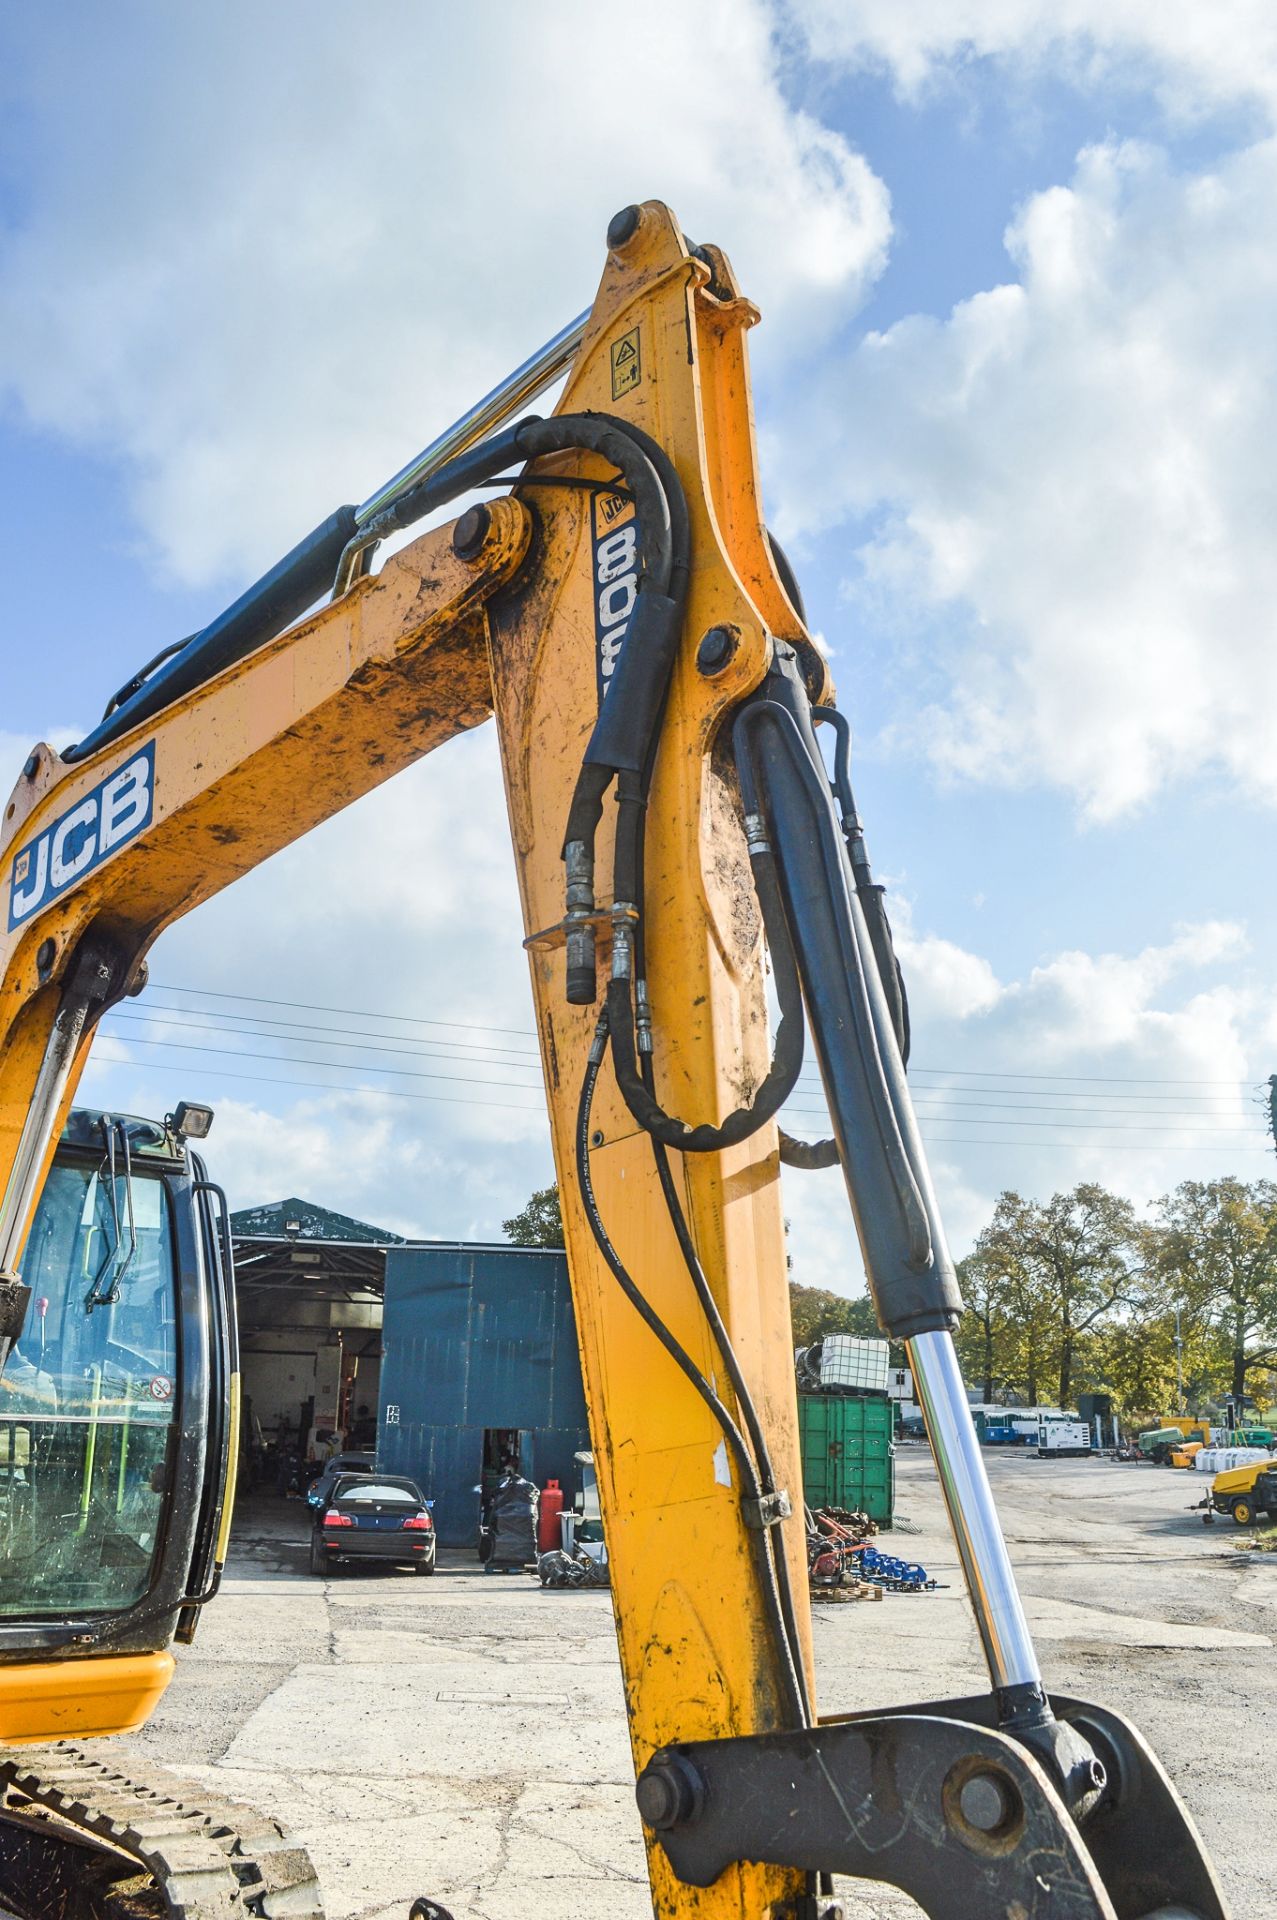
627,572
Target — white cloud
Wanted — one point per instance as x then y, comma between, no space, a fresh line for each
263,282
945,981
1073,484
261,261
258,263
403,905
1197,57
1136,1070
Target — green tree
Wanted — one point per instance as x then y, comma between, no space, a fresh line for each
1132,1357
816,1311
1215,1246
1064,1269
987,1335
1002,1260
539,1224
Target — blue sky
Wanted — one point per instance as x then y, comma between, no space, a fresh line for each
1015,389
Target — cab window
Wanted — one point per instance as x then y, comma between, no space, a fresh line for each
89,1397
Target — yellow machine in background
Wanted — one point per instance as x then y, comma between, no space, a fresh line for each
1247,1493
661,710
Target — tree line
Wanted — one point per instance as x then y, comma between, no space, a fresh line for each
1080,1294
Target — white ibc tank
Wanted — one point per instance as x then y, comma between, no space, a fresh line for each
846,1361
1224,1459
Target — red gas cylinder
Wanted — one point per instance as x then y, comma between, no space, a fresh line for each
548,1519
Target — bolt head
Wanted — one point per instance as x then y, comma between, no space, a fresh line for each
984,1802
716,649
622,227
668,1792
470,532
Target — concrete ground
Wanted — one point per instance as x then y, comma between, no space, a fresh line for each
464,1736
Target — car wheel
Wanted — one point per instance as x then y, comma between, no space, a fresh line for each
424,1566
318,1558
1244,1512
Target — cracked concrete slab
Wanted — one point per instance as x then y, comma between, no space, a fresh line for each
464,1737
1065,1620
384,1718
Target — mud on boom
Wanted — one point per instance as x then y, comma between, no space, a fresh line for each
680,805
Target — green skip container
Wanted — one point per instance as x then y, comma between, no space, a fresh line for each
848,1459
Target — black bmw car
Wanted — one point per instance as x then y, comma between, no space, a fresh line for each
374,1516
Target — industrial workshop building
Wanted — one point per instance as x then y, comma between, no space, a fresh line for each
310,1284
480,1362
445,1356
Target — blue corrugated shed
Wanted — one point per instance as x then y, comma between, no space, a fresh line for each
474,1338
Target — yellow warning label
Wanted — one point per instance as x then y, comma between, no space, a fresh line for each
626,366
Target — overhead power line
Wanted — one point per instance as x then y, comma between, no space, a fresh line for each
526,1033
794,1107
943,1097
449,1100
318,1086
300,1033
530,1059
462,1079
305,1006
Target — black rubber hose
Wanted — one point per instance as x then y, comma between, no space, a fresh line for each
744,1400
871,896
278,598
613,440
680,517
787,1058
631,849
792,1686
788,578
657,520
808,1156
809,791
811,1155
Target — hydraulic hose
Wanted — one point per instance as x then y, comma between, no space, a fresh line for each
787,1058
792,1683
806,791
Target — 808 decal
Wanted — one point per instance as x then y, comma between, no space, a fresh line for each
615,547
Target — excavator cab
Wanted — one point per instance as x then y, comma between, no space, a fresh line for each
117,1428
119,1412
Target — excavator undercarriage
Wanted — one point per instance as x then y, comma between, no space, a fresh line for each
82,1837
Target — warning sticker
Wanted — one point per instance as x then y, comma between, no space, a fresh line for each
161,1387
627,368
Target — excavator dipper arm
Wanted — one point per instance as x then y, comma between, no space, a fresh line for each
639,640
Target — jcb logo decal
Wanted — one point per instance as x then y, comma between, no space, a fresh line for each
615,580
80,839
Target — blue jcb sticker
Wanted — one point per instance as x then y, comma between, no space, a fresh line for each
116,810
615,531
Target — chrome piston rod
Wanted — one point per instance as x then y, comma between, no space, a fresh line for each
973,1517
514,393
33,1143
879,1145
